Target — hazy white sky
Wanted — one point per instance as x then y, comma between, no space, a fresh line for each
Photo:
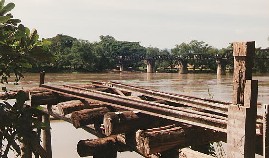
157,23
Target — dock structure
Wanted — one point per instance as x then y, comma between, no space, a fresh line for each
159,124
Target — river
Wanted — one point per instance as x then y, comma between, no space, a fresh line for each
65,136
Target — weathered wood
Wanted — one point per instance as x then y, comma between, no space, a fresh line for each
47,136
128,121
172,153
241,126
266,132
42,78
189,153
150,108
243,63
88,116
43,97
169,137
99,148
71,106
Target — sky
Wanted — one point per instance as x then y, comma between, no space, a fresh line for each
155,23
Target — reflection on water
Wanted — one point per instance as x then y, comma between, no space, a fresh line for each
65,137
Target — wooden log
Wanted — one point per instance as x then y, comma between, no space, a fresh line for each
128,121
43,98
99,148
169,137
76,105
88,116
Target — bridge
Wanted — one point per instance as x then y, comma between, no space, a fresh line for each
221,60
158,124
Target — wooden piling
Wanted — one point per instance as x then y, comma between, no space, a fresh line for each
42,78
266,132
241,126
47,136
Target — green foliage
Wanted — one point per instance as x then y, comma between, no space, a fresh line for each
197,53
19,47
18,124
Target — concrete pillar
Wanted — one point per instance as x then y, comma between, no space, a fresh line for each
121,67
221,67
150,66
183,67
242,114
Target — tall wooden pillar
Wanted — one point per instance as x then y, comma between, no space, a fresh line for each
266,131
241,126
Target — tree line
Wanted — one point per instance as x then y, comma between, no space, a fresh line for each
69,54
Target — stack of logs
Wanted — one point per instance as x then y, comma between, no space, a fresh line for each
121,129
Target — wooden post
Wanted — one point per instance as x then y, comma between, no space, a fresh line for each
266,132
47,136
241,126
42,78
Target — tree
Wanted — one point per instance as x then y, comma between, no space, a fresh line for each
19,48
197,53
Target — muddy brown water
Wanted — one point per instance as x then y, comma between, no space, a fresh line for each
65,136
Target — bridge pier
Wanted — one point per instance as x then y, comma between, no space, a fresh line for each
150,65
220,66
121,68
183,67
